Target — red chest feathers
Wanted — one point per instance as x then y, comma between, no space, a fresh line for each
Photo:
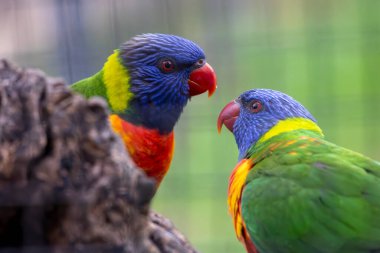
149,149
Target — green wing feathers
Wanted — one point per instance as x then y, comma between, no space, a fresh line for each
310,195
91,86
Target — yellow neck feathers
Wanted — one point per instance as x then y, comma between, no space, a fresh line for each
116,80
290,124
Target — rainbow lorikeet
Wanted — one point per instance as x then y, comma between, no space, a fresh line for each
147,83
292,191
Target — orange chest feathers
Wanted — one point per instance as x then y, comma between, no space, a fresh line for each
150,150
235,189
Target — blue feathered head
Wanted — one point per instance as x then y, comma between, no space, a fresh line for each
256,111
165,71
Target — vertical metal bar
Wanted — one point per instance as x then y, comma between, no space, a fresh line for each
72,48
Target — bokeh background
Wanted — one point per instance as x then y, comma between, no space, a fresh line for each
324,53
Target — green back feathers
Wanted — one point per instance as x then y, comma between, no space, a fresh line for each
91,86
308,195
111,83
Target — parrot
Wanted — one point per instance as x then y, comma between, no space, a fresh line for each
292,191
147,82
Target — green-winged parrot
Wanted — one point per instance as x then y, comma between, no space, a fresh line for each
147,82
293,191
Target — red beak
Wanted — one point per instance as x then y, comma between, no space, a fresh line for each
201,80
228,116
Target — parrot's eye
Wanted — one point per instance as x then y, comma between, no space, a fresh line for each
167,66
255,106
200,62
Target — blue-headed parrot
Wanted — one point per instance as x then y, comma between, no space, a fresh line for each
292,191
147,82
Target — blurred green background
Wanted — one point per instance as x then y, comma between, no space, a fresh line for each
324,53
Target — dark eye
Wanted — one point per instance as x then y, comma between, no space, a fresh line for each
200,62
255,106
167,66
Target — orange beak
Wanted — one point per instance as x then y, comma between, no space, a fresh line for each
228,116
202,79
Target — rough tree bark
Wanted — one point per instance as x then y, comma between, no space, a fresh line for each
66,182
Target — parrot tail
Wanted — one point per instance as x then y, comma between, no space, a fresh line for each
248,243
